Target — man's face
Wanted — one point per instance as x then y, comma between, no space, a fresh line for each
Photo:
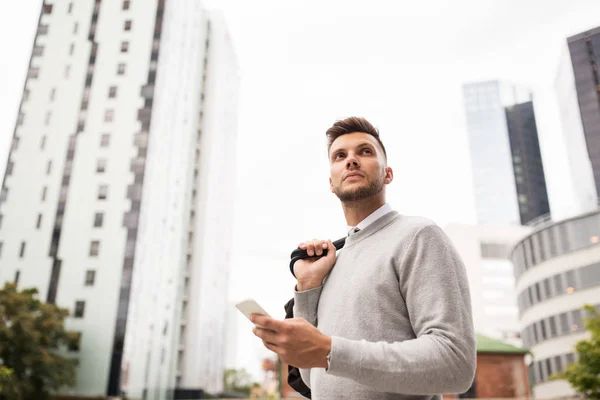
358,167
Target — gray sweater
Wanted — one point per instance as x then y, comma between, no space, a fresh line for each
398,309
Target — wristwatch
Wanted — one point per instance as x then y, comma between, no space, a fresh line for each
328,361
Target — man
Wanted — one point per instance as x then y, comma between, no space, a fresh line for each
390,316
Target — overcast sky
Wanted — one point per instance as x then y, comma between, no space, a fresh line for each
305,64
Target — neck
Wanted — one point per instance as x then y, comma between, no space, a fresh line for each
356,211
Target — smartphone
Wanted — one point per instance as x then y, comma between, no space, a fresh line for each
249,307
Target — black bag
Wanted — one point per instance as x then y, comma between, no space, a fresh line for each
294,379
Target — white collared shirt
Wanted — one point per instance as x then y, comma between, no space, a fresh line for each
374,216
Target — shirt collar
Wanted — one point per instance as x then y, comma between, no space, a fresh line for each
374,216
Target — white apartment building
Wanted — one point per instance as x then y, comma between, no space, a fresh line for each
485,250
118,195
557,270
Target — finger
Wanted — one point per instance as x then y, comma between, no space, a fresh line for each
271,346
310,248
265,334
267,323
302,246
318,247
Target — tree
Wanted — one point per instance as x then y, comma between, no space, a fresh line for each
584,375
5,377
31,334
237,380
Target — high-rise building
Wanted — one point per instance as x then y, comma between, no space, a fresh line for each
118,193
485,250
557,270
578,89
508,175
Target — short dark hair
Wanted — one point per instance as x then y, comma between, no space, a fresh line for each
351,125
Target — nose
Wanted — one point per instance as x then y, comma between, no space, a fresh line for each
352,162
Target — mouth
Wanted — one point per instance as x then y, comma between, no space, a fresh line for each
353,175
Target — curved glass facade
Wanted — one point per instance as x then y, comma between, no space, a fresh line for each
568,249
559,284
555,240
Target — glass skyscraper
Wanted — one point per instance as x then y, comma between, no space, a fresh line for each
508,175
578,89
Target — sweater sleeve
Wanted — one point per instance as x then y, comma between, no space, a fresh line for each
442,357
305,306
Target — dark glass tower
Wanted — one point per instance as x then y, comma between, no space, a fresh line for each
527,161
584,50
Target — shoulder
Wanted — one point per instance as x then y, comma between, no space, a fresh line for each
415,229
413,224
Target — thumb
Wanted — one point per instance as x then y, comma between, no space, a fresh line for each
330,251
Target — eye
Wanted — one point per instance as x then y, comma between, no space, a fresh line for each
338,155
366,151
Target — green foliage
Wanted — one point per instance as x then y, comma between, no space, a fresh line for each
5,376
238,380
584,375
31,333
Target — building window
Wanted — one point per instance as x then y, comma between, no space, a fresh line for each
105,140
4,194
9,168
43,143
49,167
17,276
25,95
1,246
44,190
67,71
102,192
15,143
90,277
121,69
42,30
79,309
72,49
124,47
39,221
70,10
75,28
109,115
94,248
34,72
112,92
128,25
52,94
126,4
75,345
47,118
98,220
47,8
20,119
22,250
38,50
101,166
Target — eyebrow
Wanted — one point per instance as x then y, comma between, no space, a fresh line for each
364,144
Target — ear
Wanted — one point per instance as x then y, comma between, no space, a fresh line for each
389,176
331,185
